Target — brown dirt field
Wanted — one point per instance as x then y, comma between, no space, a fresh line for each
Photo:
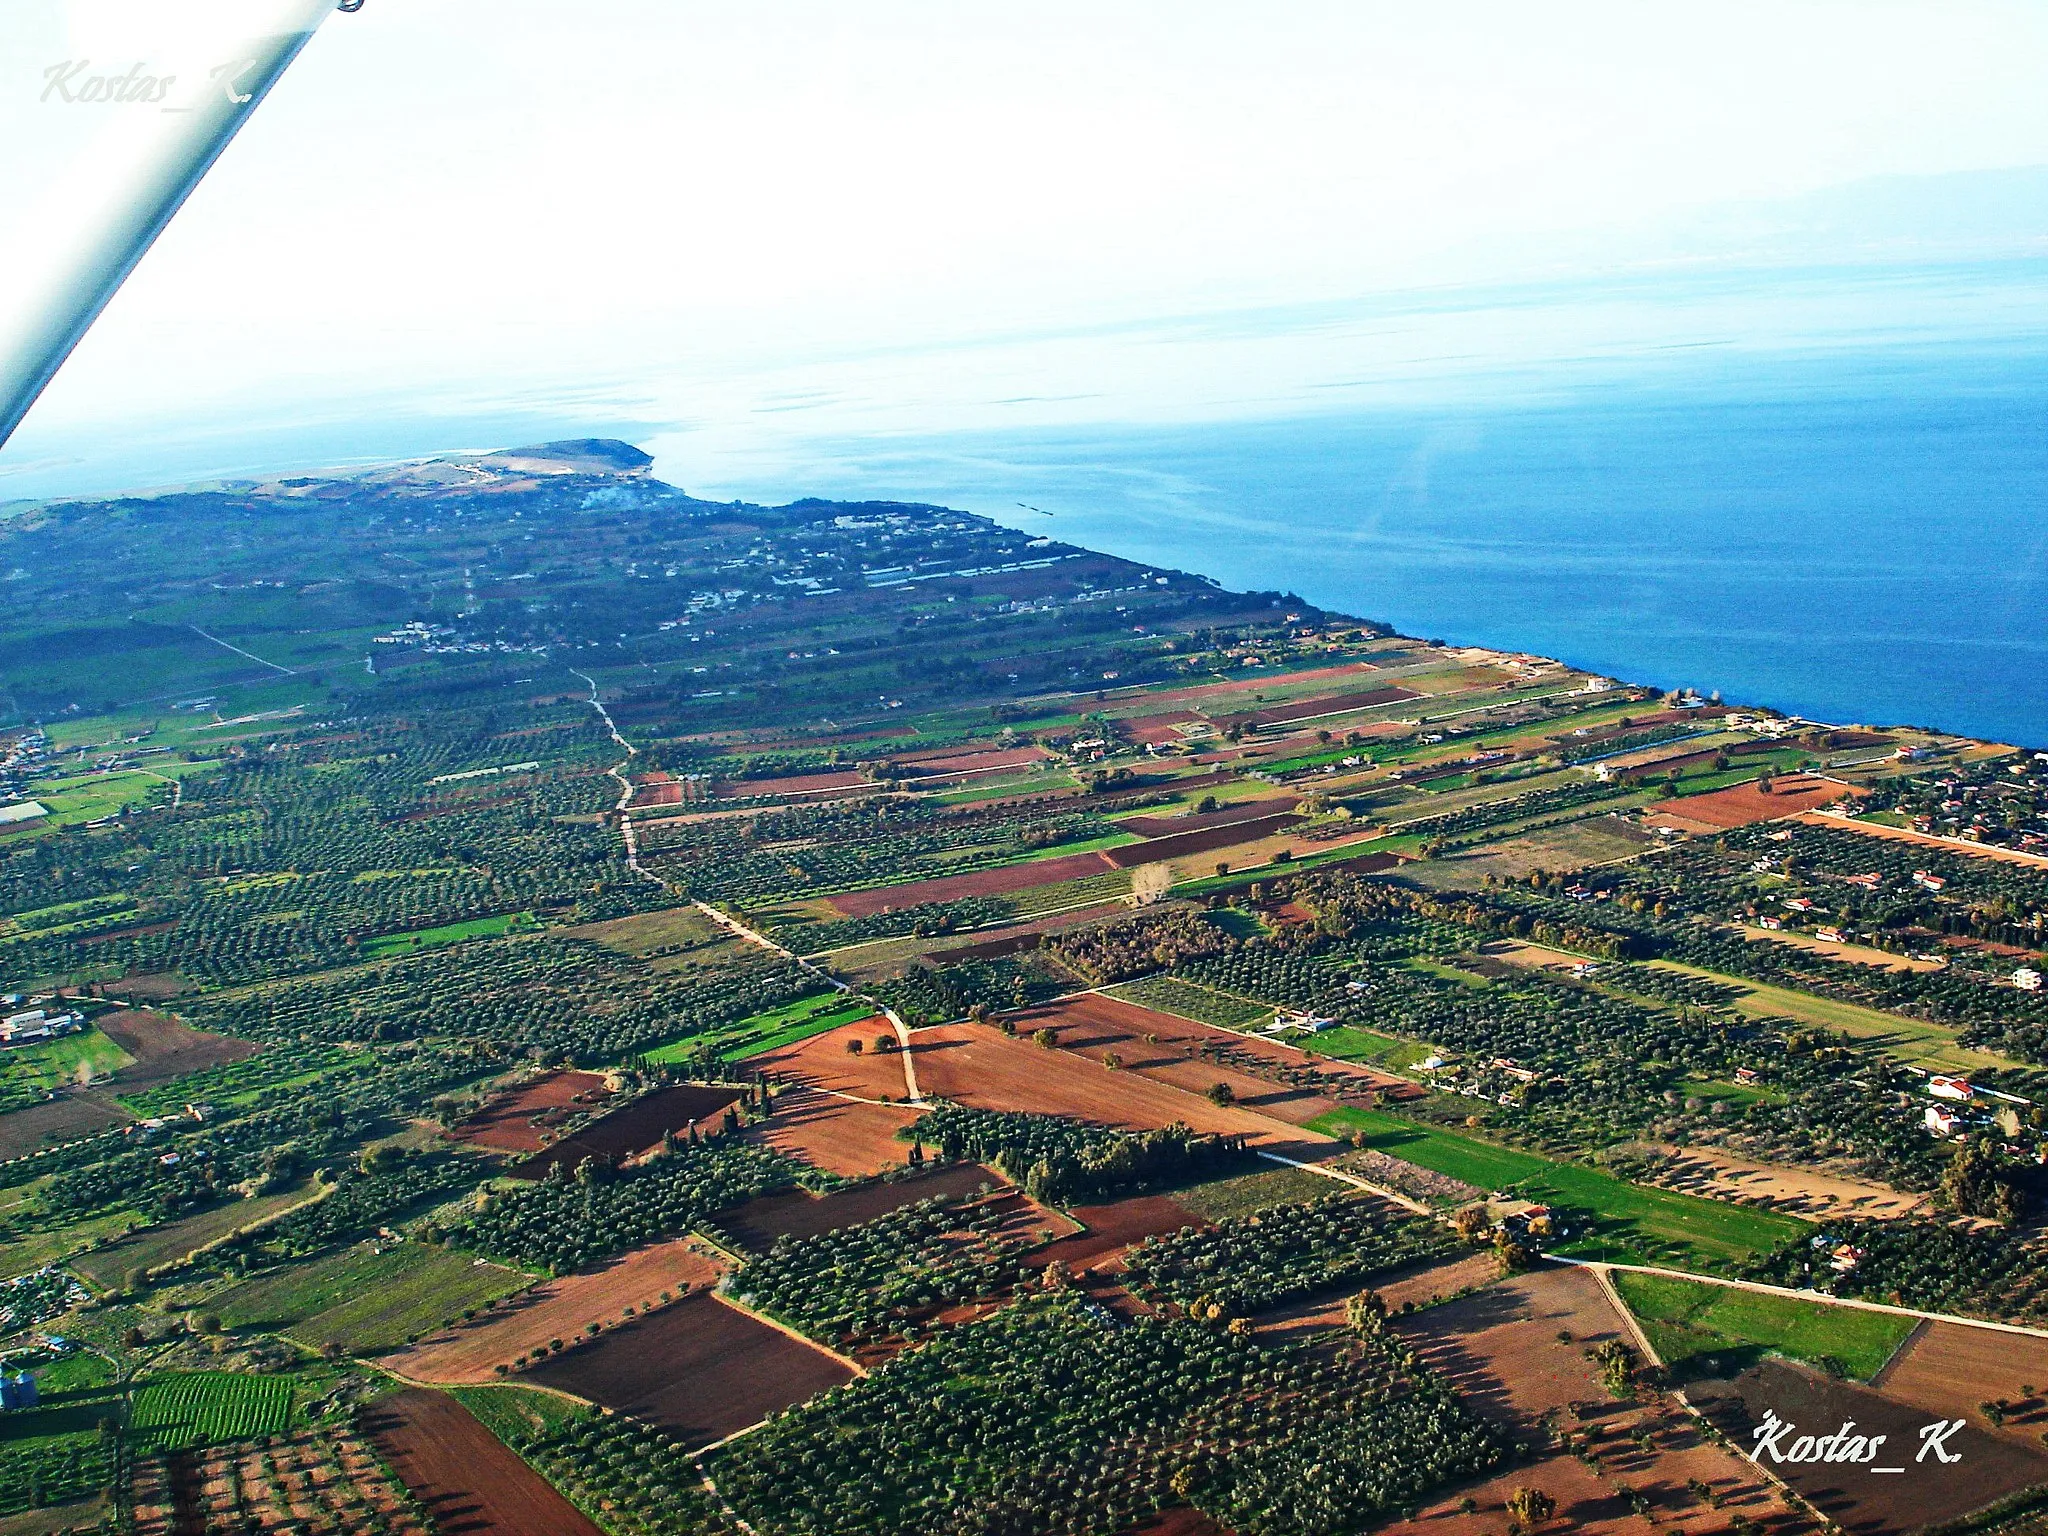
1107,1230
838,1135
985,882
514,1121
61,1119
1741,805
1806,1192
1424,1286
633,1128
791,784
556,1309
1906,835
978,1065
1204,840
1500,1349
940,764
823,1062
645,795
1199,821
1092,1025
1947,1369
465,1475
164,1048
1317,708
1178,1522
1858,1501
151,986
756,1224
1855,954
702,1369
1157,730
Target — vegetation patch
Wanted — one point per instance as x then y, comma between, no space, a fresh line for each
1720,1330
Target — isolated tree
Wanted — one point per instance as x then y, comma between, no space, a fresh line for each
1530,1507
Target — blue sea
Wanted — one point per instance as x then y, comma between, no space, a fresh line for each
1862,540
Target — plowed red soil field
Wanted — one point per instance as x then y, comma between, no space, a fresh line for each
1202,840
806,784
1093,1025
1516,1351
983,882
1925,1492
824,1062
163,1048
555,1309
513,1121
756,1224
837,1135
1111,1228
1742,804
1314,709
467,1478
1949,1369
632,1129
701,1369
978,1065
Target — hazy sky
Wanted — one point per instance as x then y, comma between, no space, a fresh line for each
748,220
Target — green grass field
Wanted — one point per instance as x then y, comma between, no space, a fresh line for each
166,1244
1692,1324
1915,1041
1619,1221
366,1302
386,945
517,1412
1184,999
768,1031
188,1408
1348,1044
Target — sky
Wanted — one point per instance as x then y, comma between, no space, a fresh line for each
729,229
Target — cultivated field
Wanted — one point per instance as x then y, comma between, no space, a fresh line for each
65,1118
633,1128
838,1135
464,1475
467,1353
367,1299
986,882
1925,1492
756,1224
307,1481
186,1408
515,1120
1806,1192
824,1062
978,1065
701,1369
1697,1327
109,1266
1741,805
1952,1370
1266,1076
1516,1351
164,1048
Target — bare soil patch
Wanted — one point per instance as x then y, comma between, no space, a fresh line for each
824,1062
1107,1231
789,784
1855,954
985,882
978,1065
1859,1501
756,1224
152,986
164,1048
1180,845
65,1118
1807,1192
838,1135
1265,1076
1740,805
1517,1352
632,1128
1950,1370
516,1121
468,1353
466,1477
702,1369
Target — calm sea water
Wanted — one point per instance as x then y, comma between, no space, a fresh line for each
1853,543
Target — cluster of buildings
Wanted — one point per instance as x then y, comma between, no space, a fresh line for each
1962,1107
33,1024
